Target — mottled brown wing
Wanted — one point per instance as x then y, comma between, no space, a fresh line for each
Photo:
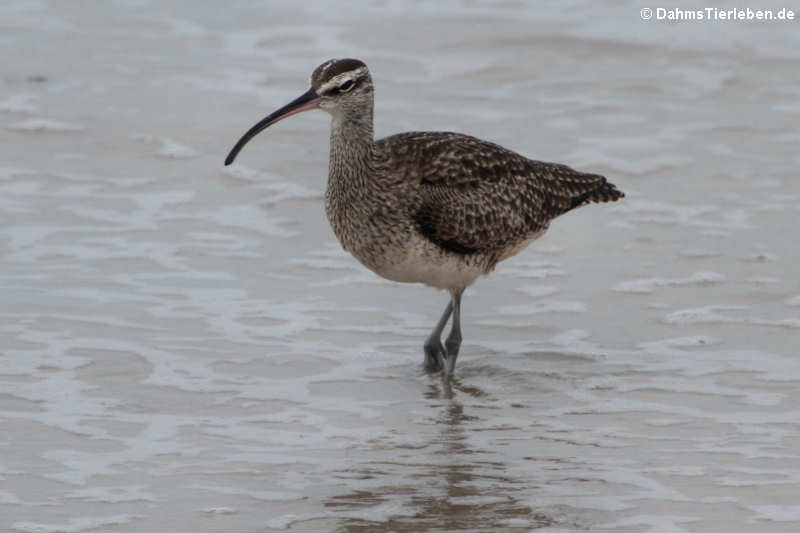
478,197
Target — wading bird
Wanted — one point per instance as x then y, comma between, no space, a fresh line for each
437,208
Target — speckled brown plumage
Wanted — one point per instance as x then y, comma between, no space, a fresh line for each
476,197
438,208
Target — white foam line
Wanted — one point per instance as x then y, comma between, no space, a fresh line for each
44,125
648,285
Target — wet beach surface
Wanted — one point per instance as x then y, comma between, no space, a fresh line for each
185,347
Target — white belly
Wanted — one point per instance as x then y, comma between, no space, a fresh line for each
446,272
420,261
424,262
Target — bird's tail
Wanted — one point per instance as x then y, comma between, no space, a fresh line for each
602,191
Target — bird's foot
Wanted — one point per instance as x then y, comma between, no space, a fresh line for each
453,344
435,356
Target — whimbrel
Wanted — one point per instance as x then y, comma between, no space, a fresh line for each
437,208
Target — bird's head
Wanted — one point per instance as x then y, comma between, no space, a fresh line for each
343,85
339,86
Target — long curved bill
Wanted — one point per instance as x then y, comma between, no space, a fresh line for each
307,100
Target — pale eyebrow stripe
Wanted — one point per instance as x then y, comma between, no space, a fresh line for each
340,78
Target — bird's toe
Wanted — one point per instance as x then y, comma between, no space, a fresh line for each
435,357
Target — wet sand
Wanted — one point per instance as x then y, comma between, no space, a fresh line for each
185,347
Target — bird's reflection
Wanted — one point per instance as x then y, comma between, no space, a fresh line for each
452,486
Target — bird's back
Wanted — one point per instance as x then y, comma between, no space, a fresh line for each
474,197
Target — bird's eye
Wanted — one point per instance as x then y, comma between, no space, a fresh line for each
346,85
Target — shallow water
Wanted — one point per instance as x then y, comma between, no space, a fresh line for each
184,347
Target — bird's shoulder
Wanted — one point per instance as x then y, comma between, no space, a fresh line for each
447,159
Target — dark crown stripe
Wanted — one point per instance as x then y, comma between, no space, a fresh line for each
334,67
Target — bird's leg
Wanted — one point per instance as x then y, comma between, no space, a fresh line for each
434,351
453,342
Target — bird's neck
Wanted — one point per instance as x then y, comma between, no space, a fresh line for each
352,150
352,184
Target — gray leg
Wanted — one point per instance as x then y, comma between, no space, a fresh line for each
453,342
434,351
